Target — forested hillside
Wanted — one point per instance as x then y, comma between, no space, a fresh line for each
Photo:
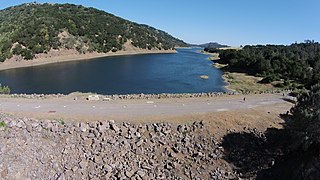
297,62
33,28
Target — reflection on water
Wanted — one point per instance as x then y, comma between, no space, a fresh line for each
155,73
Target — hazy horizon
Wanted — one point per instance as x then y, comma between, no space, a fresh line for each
227,22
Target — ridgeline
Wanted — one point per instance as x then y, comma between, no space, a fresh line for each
34,28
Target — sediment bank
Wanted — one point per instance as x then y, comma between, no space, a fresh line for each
71,55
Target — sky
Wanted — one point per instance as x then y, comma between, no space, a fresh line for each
231,22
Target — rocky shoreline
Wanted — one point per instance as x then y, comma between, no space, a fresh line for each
147,96
43,149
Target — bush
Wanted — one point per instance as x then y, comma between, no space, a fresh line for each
2,124
305,121
4,89
269,79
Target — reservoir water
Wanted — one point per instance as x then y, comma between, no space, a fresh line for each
154,73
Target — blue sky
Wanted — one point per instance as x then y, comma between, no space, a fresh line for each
232,22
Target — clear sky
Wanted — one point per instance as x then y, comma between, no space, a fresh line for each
232,22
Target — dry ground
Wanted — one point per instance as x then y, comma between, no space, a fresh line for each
242,82
220,114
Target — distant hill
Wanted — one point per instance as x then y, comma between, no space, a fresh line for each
213,45
33,28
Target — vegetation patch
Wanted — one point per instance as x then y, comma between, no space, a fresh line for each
33,28
60,121
3,124
243,83
297,65
4,89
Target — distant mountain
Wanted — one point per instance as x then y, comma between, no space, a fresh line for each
213,45
34,28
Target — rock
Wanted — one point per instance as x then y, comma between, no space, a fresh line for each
84,127
139,143
129,174
35,124
102,127
146,167
21,124
115,128
166,132
75,168
98,159
213,155
141,173
12,123
175,149
157,128
205,77
168,166
106,150
108,168
138,135
162,142
83,164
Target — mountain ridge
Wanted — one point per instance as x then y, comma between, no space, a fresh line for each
33,28
213,45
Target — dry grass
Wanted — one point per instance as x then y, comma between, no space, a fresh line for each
219,123
214,56
243,83
219,66
233,48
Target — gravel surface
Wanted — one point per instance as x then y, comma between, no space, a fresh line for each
68,108
39,149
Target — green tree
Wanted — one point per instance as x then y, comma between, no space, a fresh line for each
305,122
38,27
27,54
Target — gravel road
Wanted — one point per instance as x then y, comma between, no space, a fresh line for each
122,109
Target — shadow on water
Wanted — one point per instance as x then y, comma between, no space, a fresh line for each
271,155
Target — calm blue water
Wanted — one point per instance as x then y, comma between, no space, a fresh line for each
157,73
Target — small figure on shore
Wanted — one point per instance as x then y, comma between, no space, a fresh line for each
244,99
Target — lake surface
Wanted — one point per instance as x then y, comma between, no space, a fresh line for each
155,73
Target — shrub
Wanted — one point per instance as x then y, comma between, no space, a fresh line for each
4,89
2,124
305,121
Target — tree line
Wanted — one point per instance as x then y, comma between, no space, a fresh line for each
298,62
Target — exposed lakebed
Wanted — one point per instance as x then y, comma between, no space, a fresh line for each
153,73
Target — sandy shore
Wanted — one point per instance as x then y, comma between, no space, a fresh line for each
76,57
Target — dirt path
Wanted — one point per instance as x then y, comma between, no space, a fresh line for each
68,108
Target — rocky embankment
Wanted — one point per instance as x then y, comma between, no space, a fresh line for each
148,96
45,149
